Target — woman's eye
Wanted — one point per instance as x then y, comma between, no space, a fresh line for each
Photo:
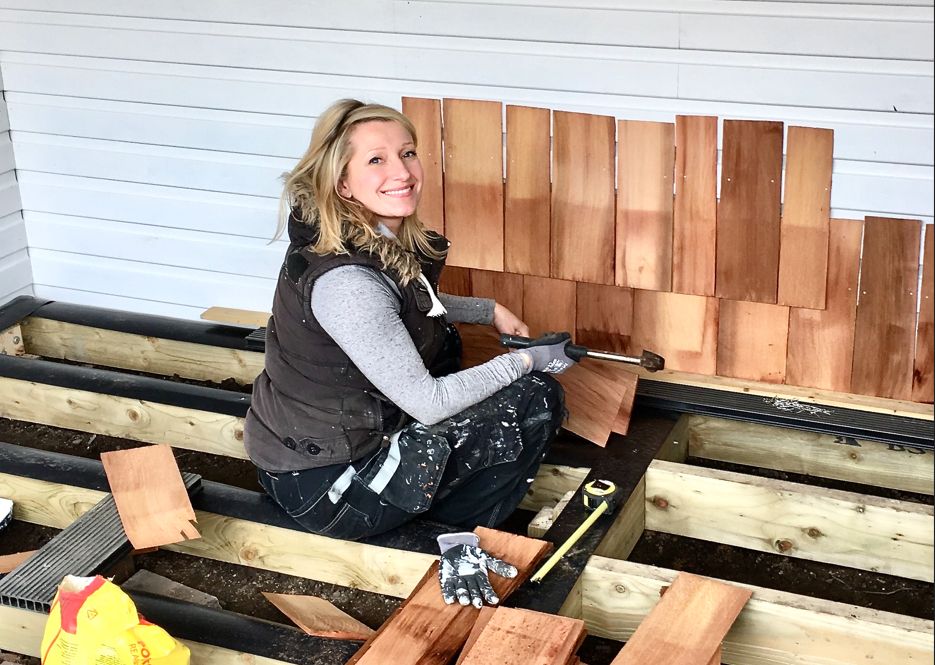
409,154
375,160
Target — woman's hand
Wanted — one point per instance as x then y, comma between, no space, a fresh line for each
507,323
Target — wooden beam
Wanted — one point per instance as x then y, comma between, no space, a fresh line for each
812,453
551,483
233,540
11,341
774,628
843,528
156,355
204,431
687,625
21,632
226,362
241,317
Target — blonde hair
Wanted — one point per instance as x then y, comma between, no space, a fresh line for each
311,190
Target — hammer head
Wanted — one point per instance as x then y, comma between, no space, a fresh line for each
652,361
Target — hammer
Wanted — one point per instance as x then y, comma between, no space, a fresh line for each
647,360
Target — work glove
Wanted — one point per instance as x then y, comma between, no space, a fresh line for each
462,570
6,512
548,353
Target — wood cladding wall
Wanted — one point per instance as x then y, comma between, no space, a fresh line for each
615,233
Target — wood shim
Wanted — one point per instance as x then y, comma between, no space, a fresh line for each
695,214
595,391
8,562
523,637
426,115
425,630
884,335
923,373
686,627
151,498
316,616
748,225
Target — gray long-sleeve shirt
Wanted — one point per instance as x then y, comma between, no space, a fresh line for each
359,309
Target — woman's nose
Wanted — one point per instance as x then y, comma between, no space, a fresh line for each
399,169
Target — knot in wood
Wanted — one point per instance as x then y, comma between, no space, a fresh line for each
784,545
619,588
660,502
248,554
813,532
133,415
238,434
853,455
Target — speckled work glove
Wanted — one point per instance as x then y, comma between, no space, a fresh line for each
462,570
6,512
548,353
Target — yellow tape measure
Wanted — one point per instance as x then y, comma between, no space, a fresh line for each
597,492
599,497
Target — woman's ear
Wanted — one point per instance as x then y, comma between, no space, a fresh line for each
343,190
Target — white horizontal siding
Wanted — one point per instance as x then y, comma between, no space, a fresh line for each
155,205
194,288
15,270
149,137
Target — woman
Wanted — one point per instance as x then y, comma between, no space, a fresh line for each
352,431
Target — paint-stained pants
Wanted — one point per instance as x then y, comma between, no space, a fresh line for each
471,469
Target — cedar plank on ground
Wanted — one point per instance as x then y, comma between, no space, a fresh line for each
483,617
751,341
316,616
748,231
10,561
595,391
884,336
425,630
923,384
687,625
695,214
473,137
645,163
151,498
528,191
821,342
523,637
803,249
583,198
426,114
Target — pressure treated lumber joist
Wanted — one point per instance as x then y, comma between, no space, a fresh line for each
774,628
839,457
144,353
843,528
213,344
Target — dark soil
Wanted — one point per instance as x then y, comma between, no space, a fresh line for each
238,587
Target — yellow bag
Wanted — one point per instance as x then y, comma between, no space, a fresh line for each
93,622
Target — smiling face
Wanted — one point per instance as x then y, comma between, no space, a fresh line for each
384,173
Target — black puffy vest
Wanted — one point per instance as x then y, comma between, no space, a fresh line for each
311,406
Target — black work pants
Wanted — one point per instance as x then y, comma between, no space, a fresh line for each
471,469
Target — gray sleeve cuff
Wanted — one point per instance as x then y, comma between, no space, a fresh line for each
448,540
464,309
